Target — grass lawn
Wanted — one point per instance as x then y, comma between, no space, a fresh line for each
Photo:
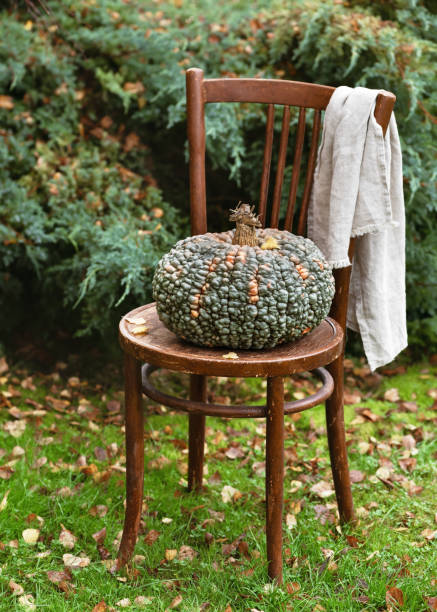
62,493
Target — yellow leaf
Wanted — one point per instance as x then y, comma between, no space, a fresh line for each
30,536
136,320
140,330
28,25
170,554
230,356
270,243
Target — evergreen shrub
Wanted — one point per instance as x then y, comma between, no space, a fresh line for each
92,113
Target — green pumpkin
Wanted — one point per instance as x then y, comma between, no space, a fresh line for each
245,289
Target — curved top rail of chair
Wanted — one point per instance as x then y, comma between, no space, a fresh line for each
277,91
161,347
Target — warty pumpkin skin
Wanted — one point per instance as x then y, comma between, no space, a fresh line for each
212,292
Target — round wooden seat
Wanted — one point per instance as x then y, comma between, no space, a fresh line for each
160,347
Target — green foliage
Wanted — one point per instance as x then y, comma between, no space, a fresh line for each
97,88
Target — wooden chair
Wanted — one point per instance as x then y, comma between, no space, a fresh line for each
324,346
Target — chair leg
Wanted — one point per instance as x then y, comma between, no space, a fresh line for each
274,475
337,443
134,425
196,434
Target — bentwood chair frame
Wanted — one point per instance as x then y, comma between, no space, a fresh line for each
324,346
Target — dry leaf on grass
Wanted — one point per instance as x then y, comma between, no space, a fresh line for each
123,603
15,428
100,607
4,501
290,521
392,395
151,537
186,552
27,602
322,489
6,472
176,602
16,589
30,536
356,476
229,494
394,596
75,562
66,538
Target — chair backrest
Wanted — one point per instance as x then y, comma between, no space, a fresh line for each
272,92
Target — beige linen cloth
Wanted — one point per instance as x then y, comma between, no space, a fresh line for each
357,192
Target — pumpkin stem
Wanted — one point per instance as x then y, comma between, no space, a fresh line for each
247,221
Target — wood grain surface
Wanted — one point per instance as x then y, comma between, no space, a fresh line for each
162,348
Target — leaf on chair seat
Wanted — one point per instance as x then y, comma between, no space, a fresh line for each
140,330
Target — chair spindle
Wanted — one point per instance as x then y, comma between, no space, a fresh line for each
310,172
266,164
281,166
300,136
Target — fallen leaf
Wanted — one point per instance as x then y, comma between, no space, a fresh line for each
4,501
322,489
30,536
66,538
139,330
6,472
100,607
234,453
15,428
75,562
99,536
352,541
230,356
408,442
186,552
369,415
229,494
151,537
351,398
383,473
292,587
432,603
295,485
27,601
16,588
59,576
176,601
429,534
290,521
356,476
392,395
394,596
99,510
170,554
